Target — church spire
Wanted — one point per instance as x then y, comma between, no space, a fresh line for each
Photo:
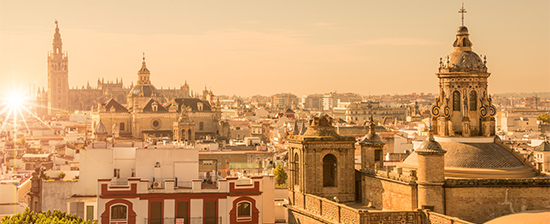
57,43
143,73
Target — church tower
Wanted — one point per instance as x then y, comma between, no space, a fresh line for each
58,76
463,107
143,90
322,163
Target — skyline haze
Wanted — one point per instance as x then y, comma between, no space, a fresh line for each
248,48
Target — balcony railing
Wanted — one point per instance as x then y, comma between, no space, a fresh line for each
184,184
192,220
119,182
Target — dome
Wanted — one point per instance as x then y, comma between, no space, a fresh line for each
476,160
145,90
371,137
462,30
463,58
431,146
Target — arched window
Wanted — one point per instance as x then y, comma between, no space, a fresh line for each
329,171
189,135
201,126
182,137
296,169
473,100
456,101
119,212
244,209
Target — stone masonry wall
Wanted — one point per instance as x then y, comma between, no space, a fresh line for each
389,195
483,203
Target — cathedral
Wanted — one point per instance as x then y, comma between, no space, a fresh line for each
461,173
137,112
144,115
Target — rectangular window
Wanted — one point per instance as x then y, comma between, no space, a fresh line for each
182,212
377,155
210,210
155,215
89,212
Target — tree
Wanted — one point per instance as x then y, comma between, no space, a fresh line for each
43,217
62,175
280,175
544,118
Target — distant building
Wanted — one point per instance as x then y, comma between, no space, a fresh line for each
145,116
361,112
58,76
283,101
312,101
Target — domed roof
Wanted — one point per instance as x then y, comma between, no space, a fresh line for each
462,30
476,160
463,58
145,90
430,146
371,137
475,155
100,128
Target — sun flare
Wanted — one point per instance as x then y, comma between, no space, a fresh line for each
15,100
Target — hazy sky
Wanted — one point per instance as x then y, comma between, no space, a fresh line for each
267,47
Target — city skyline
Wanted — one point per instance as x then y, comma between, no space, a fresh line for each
244,48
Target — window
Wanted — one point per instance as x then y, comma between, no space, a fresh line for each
121,126
296,169
456,101
116,173
244,209
329,171
155,213
189,135
211,210
201,126
119,212
155,106
473,101
182,211
199,106
89,212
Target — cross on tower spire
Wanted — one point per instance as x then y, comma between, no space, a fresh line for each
462,11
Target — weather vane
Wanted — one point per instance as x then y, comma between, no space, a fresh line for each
462,11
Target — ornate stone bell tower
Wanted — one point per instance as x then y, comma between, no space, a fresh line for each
58,76
463,107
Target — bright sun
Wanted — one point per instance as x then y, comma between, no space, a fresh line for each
15,100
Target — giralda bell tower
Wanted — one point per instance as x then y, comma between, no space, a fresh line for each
58,76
